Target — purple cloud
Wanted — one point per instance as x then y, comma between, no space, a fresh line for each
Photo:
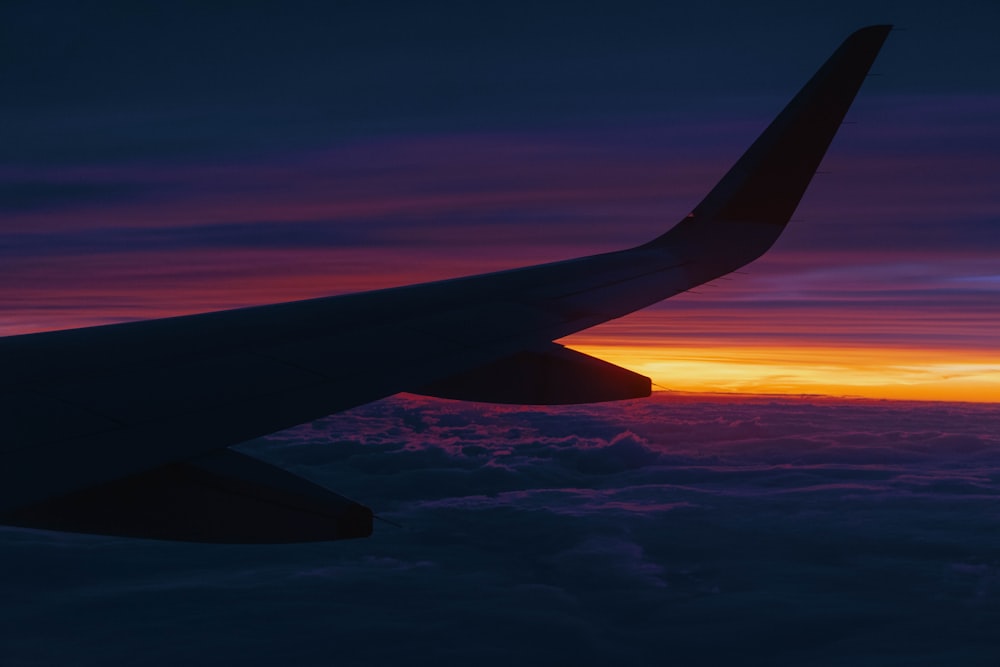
578,531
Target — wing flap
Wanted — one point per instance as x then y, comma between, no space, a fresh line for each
226,497
554,375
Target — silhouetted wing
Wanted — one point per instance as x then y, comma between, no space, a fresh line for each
123,428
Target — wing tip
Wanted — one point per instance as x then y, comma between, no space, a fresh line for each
883,28
768,181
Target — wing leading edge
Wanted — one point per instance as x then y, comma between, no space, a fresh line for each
91,411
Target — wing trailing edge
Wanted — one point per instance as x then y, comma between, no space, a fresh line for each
553,375
226,497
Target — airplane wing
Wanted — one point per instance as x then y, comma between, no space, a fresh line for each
124,429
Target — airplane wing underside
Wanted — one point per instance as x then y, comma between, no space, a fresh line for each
124,429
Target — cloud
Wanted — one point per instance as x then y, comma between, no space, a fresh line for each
813,531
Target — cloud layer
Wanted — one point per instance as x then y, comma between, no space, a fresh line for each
699,530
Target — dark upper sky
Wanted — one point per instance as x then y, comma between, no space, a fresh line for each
88,81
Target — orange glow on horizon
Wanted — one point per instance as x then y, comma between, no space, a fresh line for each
888,373
716,342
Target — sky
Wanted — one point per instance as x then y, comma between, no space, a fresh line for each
166,158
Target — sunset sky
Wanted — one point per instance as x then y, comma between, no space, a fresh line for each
159,160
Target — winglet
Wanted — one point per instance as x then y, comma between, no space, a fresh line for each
768,181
